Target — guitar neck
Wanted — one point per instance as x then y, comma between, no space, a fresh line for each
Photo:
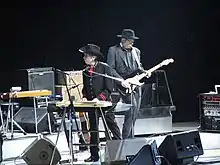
110,77
142,75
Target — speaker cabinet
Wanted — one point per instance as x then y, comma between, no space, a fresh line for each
210,123
25,118
40,152
148,154
209,107
180,148
45,78
120,152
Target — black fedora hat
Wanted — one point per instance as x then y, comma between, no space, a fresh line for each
92,49
128,34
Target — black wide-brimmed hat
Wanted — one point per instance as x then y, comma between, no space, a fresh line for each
128,34
92,49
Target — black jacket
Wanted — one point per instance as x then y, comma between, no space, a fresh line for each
116,58
96,86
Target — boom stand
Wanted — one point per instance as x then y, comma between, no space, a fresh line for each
132,112
71,116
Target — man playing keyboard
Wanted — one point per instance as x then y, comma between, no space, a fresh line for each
96,88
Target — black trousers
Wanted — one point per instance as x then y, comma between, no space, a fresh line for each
94,125
131,115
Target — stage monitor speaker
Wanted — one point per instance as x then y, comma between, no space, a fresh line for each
25,118
180,148
121,152
45,78
40,151
148,154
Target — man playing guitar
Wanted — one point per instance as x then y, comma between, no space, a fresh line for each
125,59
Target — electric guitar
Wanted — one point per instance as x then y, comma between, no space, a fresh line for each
135,80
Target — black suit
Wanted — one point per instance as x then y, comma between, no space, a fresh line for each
118,59
95,86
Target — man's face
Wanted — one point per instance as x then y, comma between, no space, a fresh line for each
128,43
89,59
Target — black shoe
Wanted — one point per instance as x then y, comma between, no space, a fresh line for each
92,159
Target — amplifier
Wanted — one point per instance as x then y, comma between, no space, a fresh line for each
210,123
209,105
45,78
138,151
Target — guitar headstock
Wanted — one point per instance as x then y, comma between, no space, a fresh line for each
167,61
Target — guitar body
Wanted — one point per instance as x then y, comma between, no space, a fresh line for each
134,80
134,73
131,77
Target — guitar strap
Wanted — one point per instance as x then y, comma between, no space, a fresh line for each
134,54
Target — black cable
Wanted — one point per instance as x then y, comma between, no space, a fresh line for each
167,161
16,159
191,147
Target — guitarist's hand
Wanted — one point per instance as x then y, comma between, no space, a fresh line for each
148,74
125,84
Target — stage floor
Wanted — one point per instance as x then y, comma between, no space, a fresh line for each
13,148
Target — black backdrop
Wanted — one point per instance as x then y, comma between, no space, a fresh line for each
38,34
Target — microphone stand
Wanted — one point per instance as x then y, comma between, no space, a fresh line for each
110,77
62,123
71,114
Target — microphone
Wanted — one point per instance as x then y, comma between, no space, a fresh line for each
86,68
58,70
103,63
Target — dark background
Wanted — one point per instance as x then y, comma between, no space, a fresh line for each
38,34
